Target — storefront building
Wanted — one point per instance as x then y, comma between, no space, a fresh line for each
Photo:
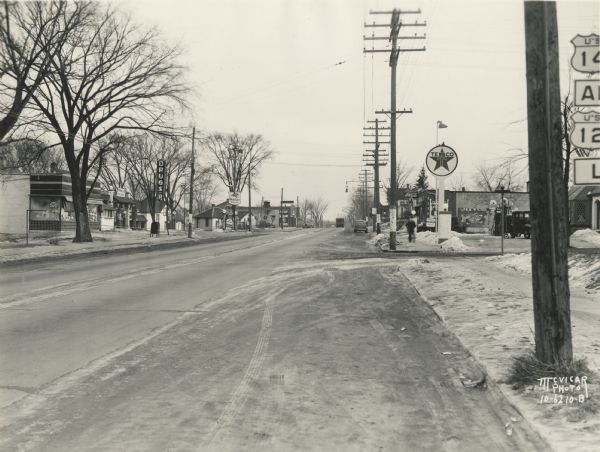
51,203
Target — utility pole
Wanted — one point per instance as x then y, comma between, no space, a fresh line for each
548,197
192,186
364,179
249,199
375,164
281,209
395,25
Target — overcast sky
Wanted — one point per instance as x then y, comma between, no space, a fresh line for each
270,67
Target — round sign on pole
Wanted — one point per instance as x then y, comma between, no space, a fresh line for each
441,161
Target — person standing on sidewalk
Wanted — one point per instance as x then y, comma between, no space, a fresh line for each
411,225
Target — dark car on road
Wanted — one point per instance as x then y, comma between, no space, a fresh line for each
519,224
360,226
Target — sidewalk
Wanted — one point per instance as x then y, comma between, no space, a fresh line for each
427,242
488,304
16,251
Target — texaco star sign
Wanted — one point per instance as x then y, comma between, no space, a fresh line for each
441,160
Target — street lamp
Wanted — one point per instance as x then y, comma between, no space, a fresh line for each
439,185
440,125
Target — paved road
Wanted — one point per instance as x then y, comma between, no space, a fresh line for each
293,341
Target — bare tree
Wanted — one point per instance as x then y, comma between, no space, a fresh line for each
108,76
30,156
235,156
457,182
205,188
403,172
141,157
360,204
31,34
317,208
507,173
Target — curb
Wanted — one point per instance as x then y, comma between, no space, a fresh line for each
504,400
125,249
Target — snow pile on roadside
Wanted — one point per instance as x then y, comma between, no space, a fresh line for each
428,237
584,270
519,262
378,240
585,238
454,244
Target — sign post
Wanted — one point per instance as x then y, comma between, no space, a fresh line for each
441,161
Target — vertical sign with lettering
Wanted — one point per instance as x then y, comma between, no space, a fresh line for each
160,178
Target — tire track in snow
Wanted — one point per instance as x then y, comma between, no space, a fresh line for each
240,395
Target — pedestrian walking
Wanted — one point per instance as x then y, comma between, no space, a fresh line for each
411,225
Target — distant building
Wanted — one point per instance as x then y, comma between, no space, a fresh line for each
584,207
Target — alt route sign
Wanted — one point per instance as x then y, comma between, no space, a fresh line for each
441,160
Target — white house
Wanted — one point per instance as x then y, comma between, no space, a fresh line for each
14,202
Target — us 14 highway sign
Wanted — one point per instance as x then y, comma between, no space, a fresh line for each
587,53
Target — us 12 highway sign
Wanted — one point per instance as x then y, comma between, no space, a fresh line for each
586,171
442,160
586,130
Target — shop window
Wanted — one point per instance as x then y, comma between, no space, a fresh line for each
44,209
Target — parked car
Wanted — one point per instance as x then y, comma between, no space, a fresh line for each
519,223
308,225
360,226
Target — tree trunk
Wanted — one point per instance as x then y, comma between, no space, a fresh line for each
82,224
233,210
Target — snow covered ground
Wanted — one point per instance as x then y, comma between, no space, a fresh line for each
62,244
585,238
487,303
584,269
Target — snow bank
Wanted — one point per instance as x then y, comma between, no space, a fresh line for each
585,238
377,240
428,237
454,244
584,270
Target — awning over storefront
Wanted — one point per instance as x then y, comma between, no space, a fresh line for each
123,200
94,201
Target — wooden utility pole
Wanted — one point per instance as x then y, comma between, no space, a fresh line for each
249,199
281,209
363,177
395,25
548,196
191,214
376,163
